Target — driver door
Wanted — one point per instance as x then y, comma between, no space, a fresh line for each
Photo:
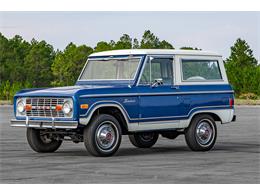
157,101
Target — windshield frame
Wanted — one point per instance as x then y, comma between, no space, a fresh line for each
140,57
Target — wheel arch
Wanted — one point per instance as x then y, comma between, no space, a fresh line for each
108,108
215,116
221,115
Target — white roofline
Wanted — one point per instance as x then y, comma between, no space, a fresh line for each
154,52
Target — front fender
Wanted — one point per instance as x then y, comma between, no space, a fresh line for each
85,118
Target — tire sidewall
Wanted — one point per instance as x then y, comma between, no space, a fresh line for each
36,143
191,137
90,135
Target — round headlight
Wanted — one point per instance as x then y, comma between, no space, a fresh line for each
67,108
20,106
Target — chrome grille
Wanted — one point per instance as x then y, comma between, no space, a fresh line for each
44,107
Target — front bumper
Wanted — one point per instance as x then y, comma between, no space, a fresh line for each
44,124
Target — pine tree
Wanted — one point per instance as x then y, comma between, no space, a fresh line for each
241,54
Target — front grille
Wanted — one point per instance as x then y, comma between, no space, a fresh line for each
44,107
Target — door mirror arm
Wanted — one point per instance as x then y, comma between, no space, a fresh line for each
156,83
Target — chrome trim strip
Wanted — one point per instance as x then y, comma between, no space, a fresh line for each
84,120
27,121
52,122
155,94
45,124
224,115
117,104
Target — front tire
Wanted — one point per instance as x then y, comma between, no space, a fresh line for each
201,135
143,140
102,137
41,142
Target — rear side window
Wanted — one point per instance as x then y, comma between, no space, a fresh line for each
200,70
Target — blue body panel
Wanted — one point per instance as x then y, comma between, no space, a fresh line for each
140,103
143,103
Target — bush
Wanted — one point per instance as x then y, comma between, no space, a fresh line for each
8,90
248,96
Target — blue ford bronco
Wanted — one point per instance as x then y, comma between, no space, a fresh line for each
139,93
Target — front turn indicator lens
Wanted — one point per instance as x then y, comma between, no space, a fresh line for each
84,106
28,107
58,107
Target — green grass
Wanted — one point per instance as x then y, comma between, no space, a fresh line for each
5,102
247,102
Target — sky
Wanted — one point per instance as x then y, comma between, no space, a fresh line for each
213,31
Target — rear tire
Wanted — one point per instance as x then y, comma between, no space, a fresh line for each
102,137
201,135
143,140
41,143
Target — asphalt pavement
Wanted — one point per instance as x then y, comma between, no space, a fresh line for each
234,159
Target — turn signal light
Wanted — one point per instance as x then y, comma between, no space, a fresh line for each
58,107
28,107
84,106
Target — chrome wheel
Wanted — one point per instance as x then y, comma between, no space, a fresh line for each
107,136
205,132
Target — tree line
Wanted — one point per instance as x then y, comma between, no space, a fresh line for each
37,64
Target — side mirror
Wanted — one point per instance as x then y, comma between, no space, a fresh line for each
157,82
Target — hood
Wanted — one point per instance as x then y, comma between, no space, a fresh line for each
56,91
62,91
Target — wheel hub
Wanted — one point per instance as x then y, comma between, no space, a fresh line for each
204,132
106,136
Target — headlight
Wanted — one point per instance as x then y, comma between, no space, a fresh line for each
67,108
20,107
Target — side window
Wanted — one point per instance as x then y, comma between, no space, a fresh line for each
157,68
200,70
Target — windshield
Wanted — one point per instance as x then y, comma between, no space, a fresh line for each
110,69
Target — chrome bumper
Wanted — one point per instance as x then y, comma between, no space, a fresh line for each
44,124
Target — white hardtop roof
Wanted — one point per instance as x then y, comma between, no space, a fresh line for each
154,52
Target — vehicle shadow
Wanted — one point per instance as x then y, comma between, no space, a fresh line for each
132,151
153,150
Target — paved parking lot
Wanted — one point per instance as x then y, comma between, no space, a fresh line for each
235,158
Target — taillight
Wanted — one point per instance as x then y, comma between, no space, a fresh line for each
231,102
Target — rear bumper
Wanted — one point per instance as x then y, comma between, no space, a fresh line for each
45,124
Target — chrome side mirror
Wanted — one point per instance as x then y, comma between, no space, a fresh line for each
157,82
